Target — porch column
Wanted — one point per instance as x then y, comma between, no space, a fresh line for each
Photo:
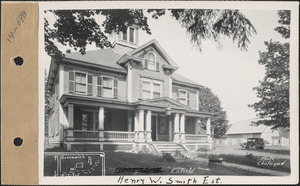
141,126
176,128
129,125
208,129
148,126
196,126
136,125
182,128
70,130
101,124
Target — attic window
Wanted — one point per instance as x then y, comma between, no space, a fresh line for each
128,36
151,62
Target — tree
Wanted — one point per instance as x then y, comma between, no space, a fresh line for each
78,28
273,107
208,102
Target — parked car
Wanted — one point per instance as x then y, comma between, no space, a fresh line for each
253,143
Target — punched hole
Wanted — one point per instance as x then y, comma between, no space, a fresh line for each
18,61
18,141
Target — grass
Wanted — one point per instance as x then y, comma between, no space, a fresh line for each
255,161
116,160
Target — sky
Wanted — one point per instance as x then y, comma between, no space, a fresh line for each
229,72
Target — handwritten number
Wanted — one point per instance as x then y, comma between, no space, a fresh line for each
20,19
11,35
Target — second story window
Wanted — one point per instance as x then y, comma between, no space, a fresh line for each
150,89
183,97
107,87
80,82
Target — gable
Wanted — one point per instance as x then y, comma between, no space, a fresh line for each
150,49
163,102
153,44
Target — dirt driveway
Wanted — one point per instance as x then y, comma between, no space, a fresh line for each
269,151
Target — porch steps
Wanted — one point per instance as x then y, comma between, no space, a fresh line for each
168,147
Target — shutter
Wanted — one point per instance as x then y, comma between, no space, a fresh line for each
178,99
157,66
71,82
140,93
115,88
99,86
188,98
90,85
146,63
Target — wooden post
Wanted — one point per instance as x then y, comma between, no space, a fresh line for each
176,128
101,123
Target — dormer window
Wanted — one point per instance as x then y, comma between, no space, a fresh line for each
151,62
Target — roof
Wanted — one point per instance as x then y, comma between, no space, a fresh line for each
246,127
284,132
181,79
105,57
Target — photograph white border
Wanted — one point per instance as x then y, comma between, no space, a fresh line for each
294,89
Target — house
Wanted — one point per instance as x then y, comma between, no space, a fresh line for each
240,131
127,97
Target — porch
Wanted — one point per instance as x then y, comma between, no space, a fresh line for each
117,124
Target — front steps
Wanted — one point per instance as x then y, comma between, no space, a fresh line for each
168,147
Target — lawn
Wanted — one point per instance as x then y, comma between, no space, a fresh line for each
123,163
270,158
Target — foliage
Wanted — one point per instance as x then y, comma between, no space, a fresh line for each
273,91
208,102
284,20
76,29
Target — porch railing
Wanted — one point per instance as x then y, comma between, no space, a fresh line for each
119,135
196,138
86,134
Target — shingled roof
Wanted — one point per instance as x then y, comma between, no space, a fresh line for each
105,57
244,127
181,79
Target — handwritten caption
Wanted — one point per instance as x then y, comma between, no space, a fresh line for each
270,161
170,180
19,21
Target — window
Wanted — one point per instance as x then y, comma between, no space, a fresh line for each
182,96
151,61
131,35
80,82
128,36
156,90
151,89
107,86
124,36
146,90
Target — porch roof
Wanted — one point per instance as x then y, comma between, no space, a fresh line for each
158,104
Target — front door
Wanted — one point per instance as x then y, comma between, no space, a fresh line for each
163,128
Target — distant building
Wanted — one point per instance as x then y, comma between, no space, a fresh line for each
240,131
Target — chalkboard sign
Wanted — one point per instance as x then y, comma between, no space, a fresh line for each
74,164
